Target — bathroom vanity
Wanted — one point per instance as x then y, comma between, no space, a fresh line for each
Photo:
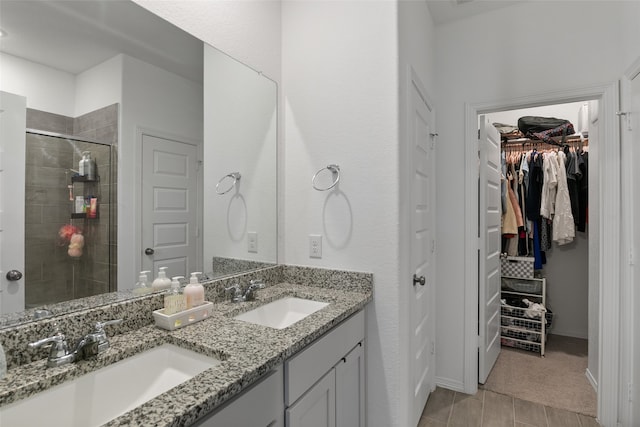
311,370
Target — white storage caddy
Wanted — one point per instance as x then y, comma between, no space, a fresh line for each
183,318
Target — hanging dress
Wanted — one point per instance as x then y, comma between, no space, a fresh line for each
563,225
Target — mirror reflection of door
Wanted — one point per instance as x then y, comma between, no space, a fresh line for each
169,204
12,146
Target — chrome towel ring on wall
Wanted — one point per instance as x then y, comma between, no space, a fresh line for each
335,171
234,175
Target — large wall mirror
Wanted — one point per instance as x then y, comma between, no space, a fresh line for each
182,139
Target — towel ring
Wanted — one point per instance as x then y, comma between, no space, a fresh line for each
335,170
236,178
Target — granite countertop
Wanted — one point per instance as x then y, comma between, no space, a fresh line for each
246,351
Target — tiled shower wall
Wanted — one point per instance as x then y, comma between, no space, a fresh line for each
52,275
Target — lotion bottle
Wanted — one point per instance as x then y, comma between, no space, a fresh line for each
162,281
194,291
175,301
142,286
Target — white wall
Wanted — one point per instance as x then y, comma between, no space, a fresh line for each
246,30
240,136
98,86
339,79
46,88
492,57
152,99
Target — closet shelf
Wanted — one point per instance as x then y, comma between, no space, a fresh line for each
571,140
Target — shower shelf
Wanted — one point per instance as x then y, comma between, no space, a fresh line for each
83,179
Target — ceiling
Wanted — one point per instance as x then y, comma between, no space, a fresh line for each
74,36
443,11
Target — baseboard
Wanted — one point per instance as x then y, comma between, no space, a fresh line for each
570,334
591,379
450,384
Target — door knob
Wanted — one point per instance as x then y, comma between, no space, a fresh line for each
420,280
14,275
149,251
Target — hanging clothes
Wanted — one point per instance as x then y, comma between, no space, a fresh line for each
549,185
583,191
563,224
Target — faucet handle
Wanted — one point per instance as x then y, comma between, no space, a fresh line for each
59,347
236,292
100,325
256,283
99,336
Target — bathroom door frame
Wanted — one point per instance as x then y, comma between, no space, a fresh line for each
609,235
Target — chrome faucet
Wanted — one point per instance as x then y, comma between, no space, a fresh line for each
90,345
248,294
59,353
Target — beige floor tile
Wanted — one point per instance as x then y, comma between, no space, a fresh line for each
478,396
587,421
428,422
561,418
530,413
467,411
498,410
439,404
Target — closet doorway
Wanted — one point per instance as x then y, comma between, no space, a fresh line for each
563,378
604,236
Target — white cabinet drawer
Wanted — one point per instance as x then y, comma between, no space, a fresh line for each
304,369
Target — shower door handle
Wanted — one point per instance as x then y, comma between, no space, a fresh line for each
14,275
149,251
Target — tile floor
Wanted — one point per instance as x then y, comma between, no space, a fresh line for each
446,408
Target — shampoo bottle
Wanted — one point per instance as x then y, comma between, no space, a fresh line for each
174,302
142,286
162,281
194,291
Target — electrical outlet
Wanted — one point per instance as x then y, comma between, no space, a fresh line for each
252,238
315,246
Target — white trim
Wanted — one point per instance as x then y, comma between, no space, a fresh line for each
591,380
627,271
450,384
609,208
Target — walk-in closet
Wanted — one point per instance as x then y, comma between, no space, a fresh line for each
548,308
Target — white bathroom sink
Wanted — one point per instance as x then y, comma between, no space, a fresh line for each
282,313
100,396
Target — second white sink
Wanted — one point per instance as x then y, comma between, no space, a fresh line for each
100,396
282,313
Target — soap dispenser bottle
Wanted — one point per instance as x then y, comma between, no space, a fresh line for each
175,301
142,286
194,291
162,281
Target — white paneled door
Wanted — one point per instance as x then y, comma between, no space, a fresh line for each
13,113
489,249
422,305
169,205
